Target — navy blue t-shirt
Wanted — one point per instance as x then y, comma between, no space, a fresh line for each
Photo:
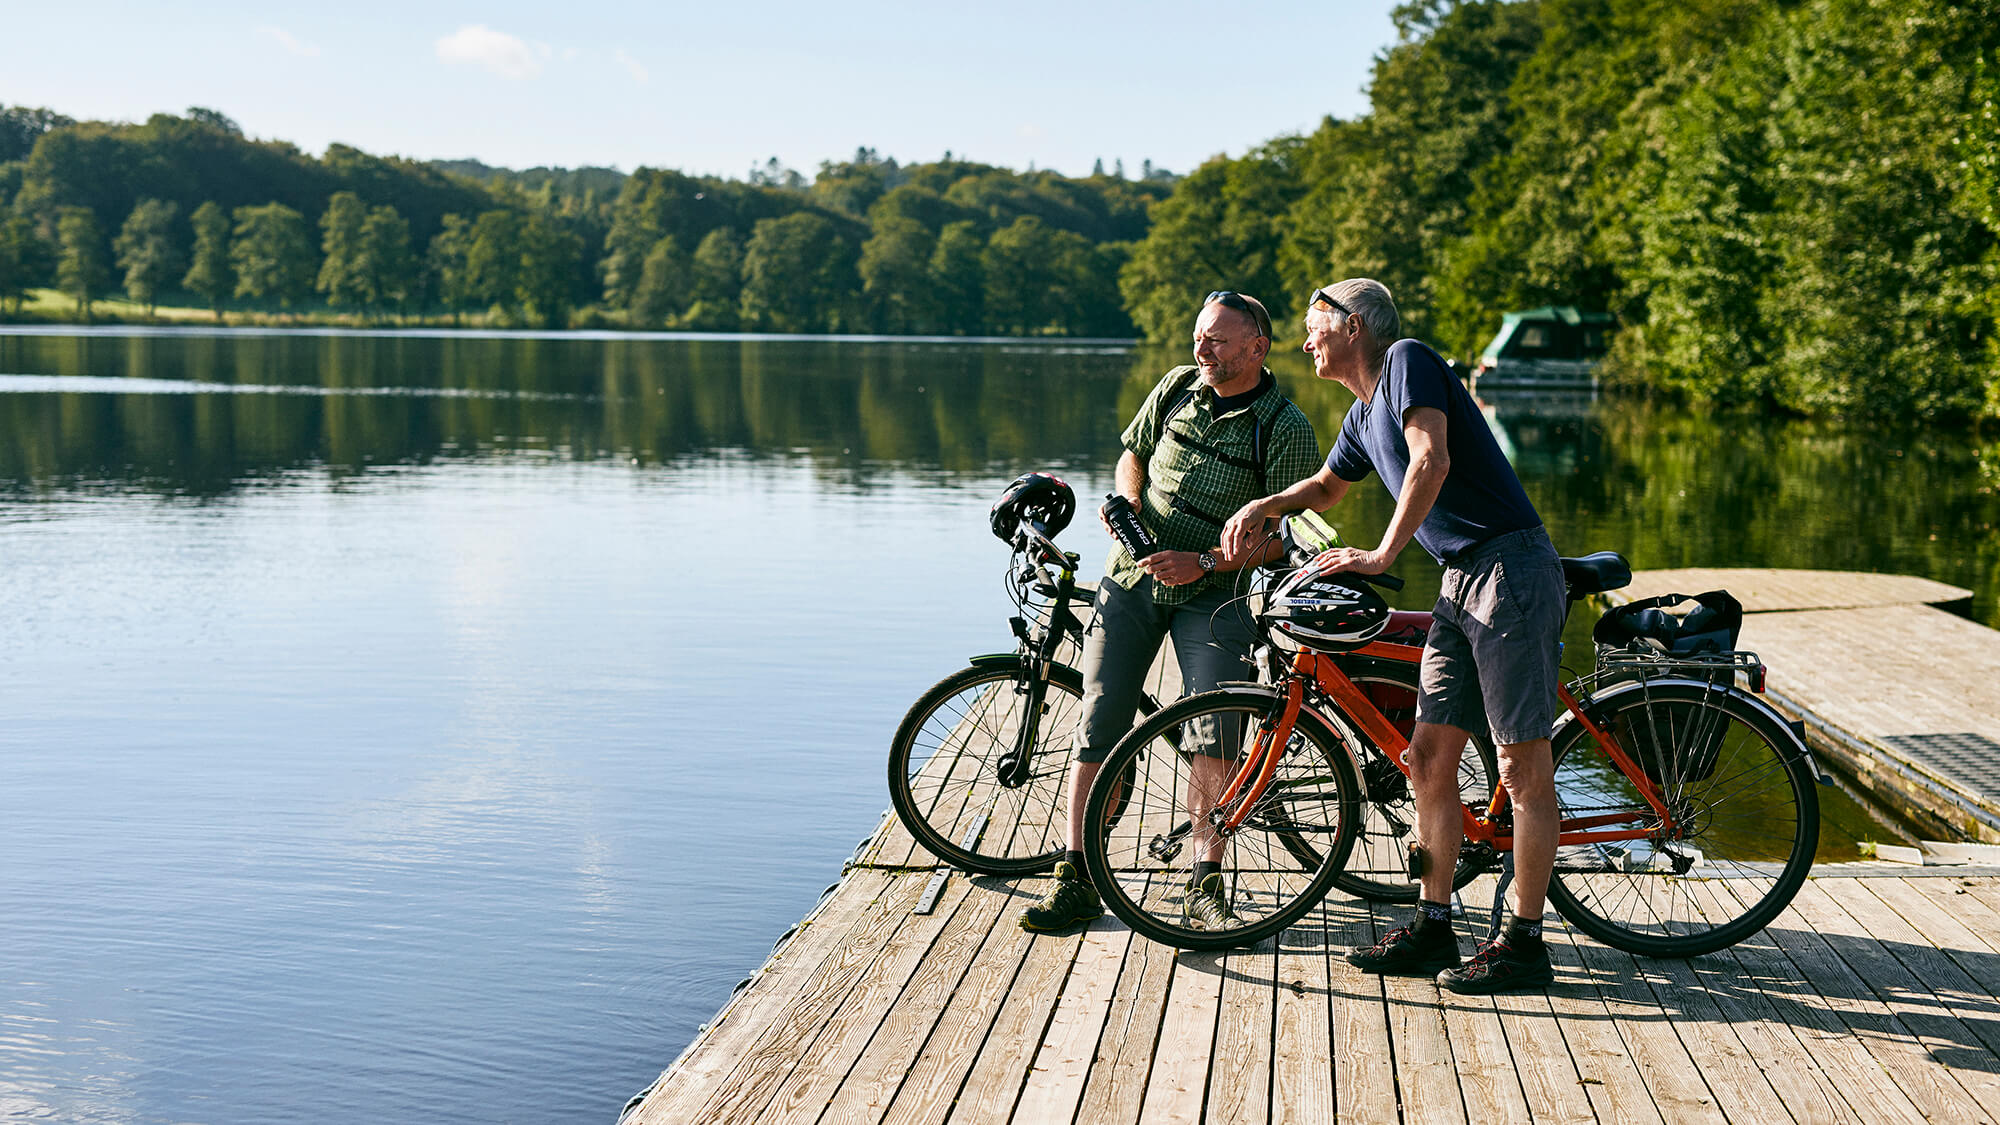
1481,497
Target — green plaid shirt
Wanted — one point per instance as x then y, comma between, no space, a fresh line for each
1189,493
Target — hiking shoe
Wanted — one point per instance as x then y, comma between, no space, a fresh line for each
1403,952
1070,903
1206,906
1499,967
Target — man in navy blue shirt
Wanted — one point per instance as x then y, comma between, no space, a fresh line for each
1490,659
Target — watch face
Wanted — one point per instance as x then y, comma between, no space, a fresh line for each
1207,560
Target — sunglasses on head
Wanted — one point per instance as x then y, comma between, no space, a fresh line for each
1320,295
1230,299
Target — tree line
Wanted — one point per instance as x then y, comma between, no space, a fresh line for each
188,208
1788,205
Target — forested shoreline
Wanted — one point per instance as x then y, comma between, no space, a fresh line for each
1787,205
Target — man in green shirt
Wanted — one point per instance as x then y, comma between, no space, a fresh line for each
1210,438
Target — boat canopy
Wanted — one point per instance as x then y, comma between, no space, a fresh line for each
1551,332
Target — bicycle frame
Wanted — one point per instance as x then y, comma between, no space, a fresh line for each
1328,679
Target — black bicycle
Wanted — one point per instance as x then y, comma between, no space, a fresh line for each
979,770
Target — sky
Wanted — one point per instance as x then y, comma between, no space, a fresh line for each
715,88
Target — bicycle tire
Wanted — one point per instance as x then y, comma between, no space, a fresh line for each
1378,867
1276,868
1745,802
945,762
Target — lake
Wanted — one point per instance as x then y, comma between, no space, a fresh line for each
436,726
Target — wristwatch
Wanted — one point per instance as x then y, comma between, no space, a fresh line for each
1207,561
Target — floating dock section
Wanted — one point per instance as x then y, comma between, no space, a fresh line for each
1899,694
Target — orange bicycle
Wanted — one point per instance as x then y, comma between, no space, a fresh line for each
1689,808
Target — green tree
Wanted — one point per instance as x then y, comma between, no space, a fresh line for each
272,254
21,126
148,252
80,268
449,261
342,277
798,274
209,274
958,278
1038,279
25,260
493,258
665,285
1221,229
386,266
549,259
895,270
718,282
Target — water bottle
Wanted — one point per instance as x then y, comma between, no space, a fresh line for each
1117,512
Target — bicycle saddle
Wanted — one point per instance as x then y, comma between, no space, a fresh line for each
1596,573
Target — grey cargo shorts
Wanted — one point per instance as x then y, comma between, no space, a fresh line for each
1490,659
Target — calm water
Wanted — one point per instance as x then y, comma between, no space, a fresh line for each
406,727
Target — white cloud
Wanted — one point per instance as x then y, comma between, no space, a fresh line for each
497,51
1030,131
288,41
631,65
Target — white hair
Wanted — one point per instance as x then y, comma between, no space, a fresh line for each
1369,299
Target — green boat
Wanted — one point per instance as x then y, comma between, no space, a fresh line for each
1555,347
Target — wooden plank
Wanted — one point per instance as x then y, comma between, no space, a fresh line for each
1302,1062
744,1019
1763,590
1179,1080
1115,1089
1855,1078
1001,1069
1489,1080
1056,1082
1426,1071
872,1083
812,972
1239,1080
1941,950
1364,1071
1543,1071
1880,1028
1724,999
930,1090
1604,1067
1678,1086
839,1039
763,1069
1714,1040
1542,1062
1905,978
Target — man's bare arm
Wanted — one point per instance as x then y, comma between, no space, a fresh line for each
1320,491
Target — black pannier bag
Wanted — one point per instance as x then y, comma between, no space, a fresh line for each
1675,741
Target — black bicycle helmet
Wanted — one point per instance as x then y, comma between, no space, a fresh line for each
1328,613
1038,498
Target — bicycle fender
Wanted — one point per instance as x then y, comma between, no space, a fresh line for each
994,658
1754,702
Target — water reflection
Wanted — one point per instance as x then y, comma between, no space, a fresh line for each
1667,487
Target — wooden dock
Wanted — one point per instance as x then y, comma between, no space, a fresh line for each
1875,997
1900,696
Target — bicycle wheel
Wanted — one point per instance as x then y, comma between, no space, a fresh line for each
957,783
1140,843
1378,869
1745,814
